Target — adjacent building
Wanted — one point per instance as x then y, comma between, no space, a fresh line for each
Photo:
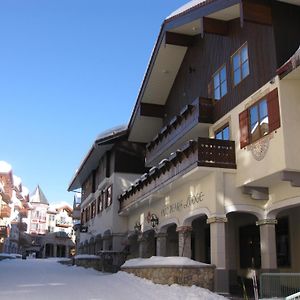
110,167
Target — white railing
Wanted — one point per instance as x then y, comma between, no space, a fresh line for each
293,297
279,284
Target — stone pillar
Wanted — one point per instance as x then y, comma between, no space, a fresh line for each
218,253
44,250
54,250
118,241
184,241
161,244
142,240
268,244
67,254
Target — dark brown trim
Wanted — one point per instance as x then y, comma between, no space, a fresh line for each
257,13
215,26
152,110
177,39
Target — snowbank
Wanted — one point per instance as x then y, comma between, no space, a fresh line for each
162,262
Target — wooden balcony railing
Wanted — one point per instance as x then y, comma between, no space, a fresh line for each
201,153
5,211
200,111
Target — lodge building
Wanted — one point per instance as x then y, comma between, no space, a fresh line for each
218,117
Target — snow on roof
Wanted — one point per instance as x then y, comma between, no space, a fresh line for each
163,261
5,167
52,210
17,180
184,8
111,131
15,200
25,191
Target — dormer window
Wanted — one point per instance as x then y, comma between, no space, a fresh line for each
240,64
220,83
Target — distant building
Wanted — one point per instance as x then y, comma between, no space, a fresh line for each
50,227
14,198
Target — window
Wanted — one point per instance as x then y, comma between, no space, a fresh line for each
259,119
223,133
240,64
220,83
109,196
100,202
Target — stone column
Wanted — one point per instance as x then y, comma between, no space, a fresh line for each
161,244
54,250
142,240
67,254
268,244
218,253
184,241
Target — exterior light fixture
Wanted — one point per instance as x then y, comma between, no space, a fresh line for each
154,220
137,226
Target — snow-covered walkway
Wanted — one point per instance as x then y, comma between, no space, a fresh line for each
46,279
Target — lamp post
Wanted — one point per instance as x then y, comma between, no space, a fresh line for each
154,220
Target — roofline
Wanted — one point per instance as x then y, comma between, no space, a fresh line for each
169,24
110,139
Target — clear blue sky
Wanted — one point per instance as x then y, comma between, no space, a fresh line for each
69,69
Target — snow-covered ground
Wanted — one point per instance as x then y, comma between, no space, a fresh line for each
46,279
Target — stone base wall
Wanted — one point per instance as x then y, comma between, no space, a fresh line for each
185,275
94,263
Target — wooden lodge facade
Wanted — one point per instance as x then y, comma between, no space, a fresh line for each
217,117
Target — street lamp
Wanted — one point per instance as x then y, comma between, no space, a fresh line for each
154,220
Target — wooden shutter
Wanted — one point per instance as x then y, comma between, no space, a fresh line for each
244,128
273,110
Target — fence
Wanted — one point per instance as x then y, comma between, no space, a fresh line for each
279,284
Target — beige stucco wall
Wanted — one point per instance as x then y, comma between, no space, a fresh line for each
290,116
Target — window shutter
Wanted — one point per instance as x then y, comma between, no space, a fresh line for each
244,128
273,110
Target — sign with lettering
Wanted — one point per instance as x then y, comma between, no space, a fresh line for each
191,200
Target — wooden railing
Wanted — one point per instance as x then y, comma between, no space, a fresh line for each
201,153
200,111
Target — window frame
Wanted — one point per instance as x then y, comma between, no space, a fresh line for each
221,129
109,194
218,72
239,51
257,104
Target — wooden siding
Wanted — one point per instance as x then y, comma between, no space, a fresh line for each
207,55
286,19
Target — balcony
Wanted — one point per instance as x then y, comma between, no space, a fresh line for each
192,119
204,152
5,211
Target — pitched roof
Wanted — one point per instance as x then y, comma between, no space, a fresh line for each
38,196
